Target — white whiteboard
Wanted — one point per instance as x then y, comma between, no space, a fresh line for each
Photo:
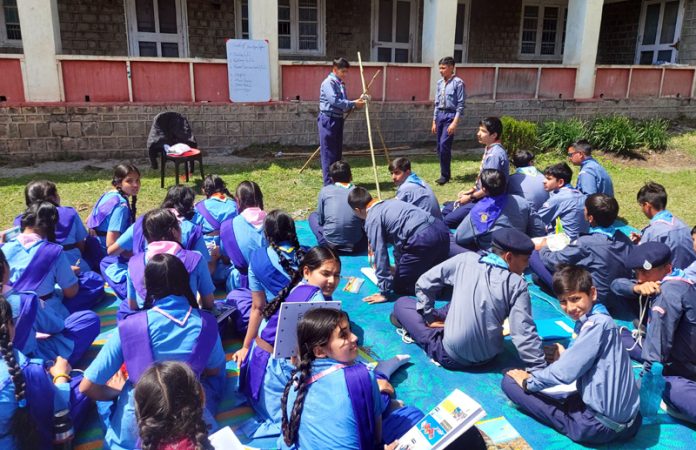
248,70
285,345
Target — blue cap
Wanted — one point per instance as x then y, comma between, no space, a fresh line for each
648,255
512,240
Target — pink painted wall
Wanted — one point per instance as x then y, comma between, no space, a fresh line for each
101,81
211,82
11,86
161,81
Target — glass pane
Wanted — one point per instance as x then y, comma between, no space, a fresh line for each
386,10
147,48
308,14
283,12
459,30
167,16
170,49
284,42
245,19
652,16
308,29
669,22
308,43
664,56
548,32
458,54
403,22
384,54
400,55
145,16
13,32
529,30
284,28
646,57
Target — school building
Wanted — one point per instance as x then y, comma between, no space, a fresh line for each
85,77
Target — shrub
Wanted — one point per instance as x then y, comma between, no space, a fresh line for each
560,134
653,133
616,134
518,134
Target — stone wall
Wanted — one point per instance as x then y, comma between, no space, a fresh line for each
494,31
619,33
687,44
348,30
92,27
209,26
99,131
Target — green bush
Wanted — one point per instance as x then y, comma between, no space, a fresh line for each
560,134
518,134
653,133
616,134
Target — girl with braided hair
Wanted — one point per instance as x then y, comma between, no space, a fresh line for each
270,270
28,397
263,378
169,327
169,408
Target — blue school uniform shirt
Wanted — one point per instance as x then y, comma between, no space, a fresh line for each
169,342
221,209
249,238
417,192
341,226
674,233
125,241
255,283
567,205
528,183
60,273
8,403
495,157
596,359
593,179
333,100
328,398
450,96
117,221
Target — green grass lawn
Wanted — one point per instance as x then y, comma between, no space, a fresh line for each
285,188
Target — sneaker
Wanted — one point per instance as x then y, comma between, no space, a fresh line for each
394,321
442,180
404,336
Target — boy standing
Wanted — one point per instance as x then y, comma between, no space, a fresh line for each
565,203
606,407
412,189
333,102
468,331
593,178
449,106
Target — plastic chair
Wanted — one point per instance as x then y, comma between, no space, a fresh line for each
169,128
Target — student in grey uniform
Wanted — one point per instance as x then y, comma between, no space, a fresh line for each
497,210
593,178
449,108
420,241
664,226
468,331
671,332
333,223
527,181
606,407
602,252
691,270
565,203
410,188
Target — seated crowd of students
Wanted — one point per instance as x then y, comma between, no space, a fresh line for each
165,265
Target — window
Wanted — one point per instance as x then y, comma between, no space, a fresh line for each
156,28
10,34
660,25
394,22
543,31
461,33
300,26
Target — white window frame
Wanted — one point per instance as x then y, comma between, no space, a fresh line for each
464,46
294,49
656,47
238,20
4,40
134,36
562,6
412,46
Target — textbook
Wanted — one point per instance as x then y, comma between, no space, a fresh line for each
369,272
443,424
499,434
285,345
555,242
225,439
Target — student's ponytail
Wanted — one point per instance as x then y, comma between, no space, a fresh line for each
42,217
22,426
300,377
279,227
274,306
121,171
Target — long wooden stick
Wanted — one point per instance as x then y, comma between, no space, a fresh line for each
369,128
346,118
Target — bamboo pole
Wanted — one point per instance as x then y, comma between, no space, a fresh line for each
369,128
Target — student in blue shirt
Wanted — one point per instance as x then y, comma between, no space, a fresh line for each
171,327
333,103
565,203
593,178
527,181
410,188
333,223
690,271
664,226
449,107
606,407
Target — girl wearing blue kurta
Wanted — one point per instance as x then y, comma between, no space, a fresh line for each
263,378
110,217
270,270
171,327
243,234
330,382
218,207
28,398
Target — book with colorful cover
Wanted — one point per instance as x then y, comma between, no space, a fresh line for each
443,424
499,434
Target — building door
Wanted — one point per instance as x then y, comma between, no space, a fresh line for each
659,31
394,29
461,33
156,28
